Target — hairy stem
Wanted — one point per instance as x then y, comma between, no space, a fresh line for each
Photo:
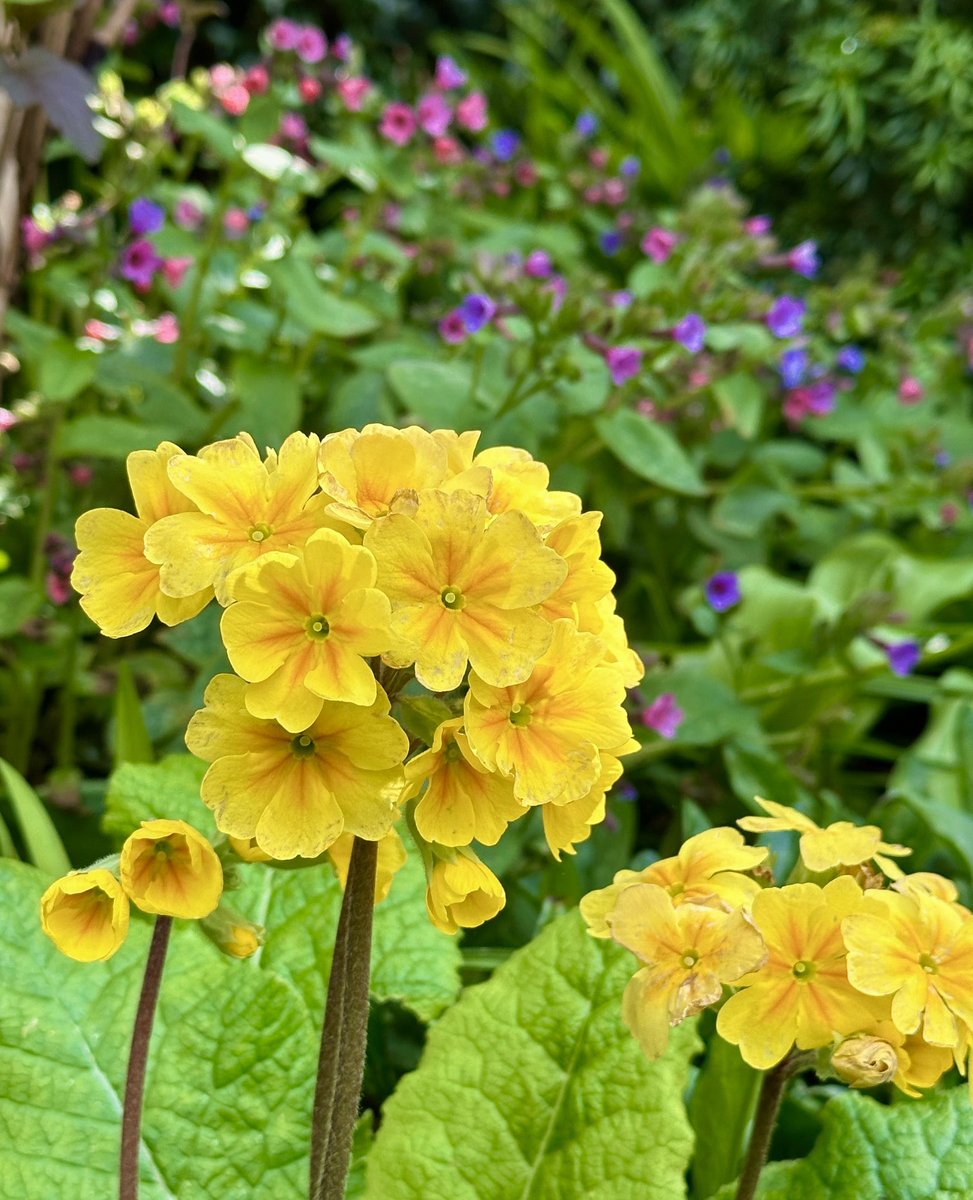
128,1175
341,1063
768,1106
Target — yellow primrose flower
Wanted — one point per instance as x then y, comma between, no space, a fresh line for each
520,484
169,868
567,825
461,891
296,794
802,995
301,627
247,507
249,851
85,914
600,618
460,448
588,579
929,884
548,731
463,589
914,1064
707,870
463,801
689,953
119,587
839,845
918,949
392,857
865,1061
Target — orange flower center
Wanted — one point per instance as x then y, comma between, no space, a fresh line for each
520,715
803,971
317,627
302,745
259,533
452,598
929,964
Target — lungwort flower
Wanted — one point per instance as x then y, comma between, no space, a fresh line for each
301,627
463,589
120,588
167,867
86,914
296,794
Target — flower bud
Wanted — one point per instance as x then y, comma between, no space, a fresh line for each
248,850
169,868
232,933
865,1061
461,891
85,915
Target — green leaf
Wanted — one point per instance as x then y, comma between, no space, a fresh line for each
280,166
311,304
132,741
230,1077
268,400
64,370
97,436
210,129
741,401
532,1088
44,847
721,1109
436,392
650,451
420,716
19,600
145,792
912,1151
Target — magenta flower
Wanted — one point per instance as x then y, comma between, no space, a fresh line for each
691,332
293,127
167,329
174,269
398,123
354,92
659,243
538,264
786,316
283,34
140,263
310,88
911,390
235,223
757,226
471,112
624,362
8,419
723,591
235,100
664,716
257,80
448,74
311,45
804,259
35,239
434,114
342,47
447,150
452,328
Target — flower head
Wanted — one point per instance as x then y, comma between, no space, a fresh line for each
911,390
794,366
624,362
659,243
478,310
664,715
354,92
448,74
311,45
903,657
453,328
471,112
723,590
145,216
434,114
586,125
86,915
398,123
630,166
611,241
538,264
140,263
167,867
865,1061
785,317
851,358
461,891
804,259
691,332
505,144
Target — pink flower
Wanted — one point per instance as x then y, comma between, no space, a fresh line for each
187,214
8,419
615,191
257,80
448,151
293,127
99,331
471,112
311,44
664,715
434,114
911,390
452,328
538,264
598,157
140,263
526,174
169,13
342,47
354,92
222,76
283,34
624,362
757,226
309,88
81,474
398,123
448,74
174,269
659,243
35,239
167,329
58,588
594,194
236,223
235,100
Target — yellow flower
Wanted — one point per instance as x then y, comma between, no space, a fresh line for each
119,587
463,589
461,891
169,868
865,1061
521,485
914,1064
301,626
296,794
249,851
928,883
689,953
85,915
601,618
707,871
918,949
463,801
588,579
548,731
567,825
246,508
392,857
839,845
232,933
802,996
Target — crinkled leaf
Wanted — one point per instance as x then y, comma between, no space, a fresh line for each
61,88
149,791
532,1088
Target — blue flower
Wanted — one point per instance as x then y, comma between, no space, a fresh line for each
793,367
786,316
691,332
145,216
611,241
505,144
723,591
851,358
630,166
903,657
477,310
586,124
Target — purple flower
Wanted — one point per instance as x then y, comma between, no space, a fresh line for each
793,367
586,124
943,458
342,47
757,226
624,362
557,288
623,299
448,74
538,264
452,328
140,263
664,715
903,657
311,45
611,241
434,114
691,332
477,310
723,590
630,166
283,34
505,144
804,259
625,791
851,358
786,316
145,216
820,397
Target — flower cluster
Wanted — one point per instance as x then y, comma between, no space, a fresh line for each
853,959
166,868
356,571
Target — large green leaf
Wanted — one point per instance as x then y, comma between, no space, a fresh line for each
721,1109
439,393
531,1088
44,847
650,451
868,1151
230,1077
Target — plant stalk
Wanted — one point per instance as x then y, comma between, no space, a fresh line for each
768,1107
341,1064
128,1175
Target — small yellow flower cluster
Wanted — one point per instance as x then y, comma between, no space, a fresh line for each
872,969
166,868
349,568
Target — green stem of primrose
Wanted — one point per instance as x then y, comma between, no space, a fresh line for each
128,1174
341,1064
768,1107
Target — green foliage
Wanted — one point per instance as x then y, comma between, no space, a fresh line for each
530,1087
44,847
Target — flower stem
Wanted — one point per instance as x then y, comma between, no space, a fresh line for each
128,1176
341,1064
768,1106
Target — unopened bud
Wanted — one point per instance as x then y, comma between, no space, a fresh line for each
232,933
865,1062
